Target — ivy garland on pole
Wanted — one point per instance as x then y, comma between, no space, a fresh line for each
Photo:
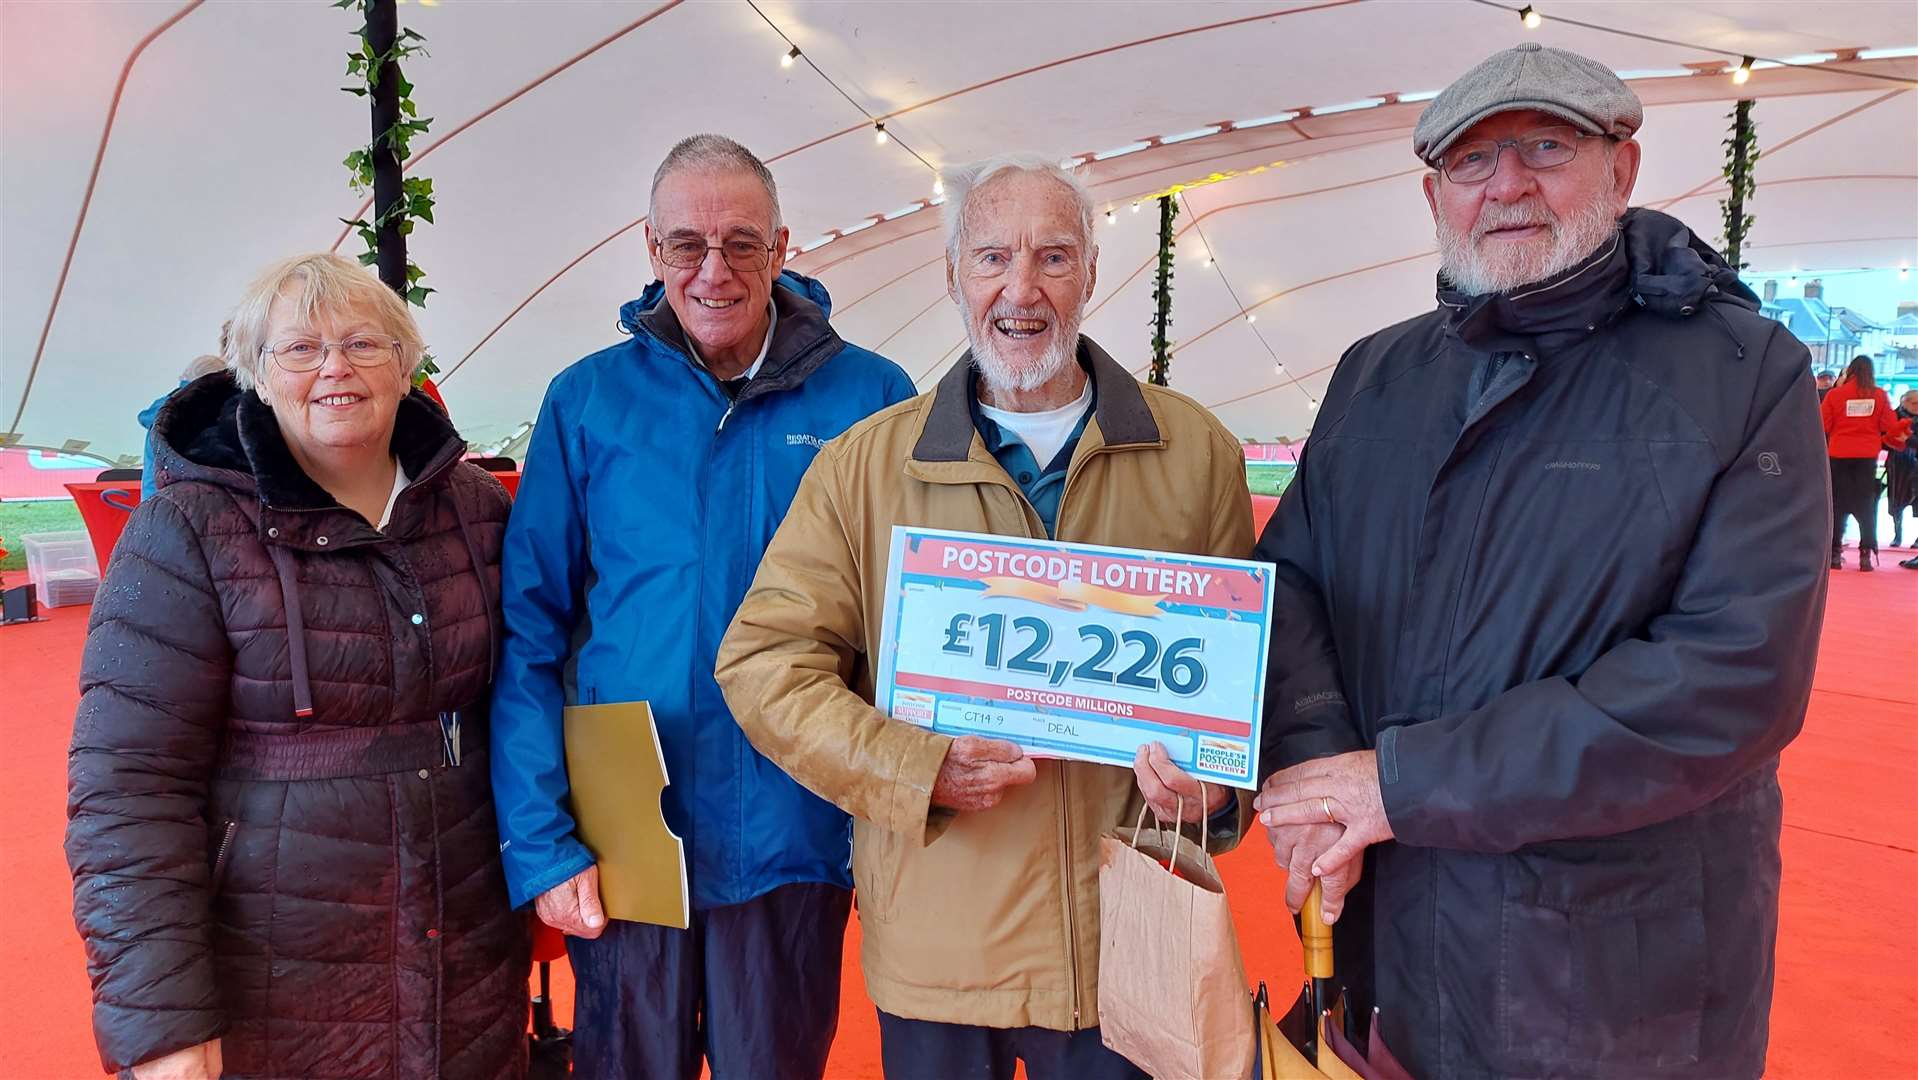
1162,296
1741,154
399,201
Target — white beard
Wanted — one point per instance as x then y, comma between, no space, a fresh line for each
1001,375
1470,269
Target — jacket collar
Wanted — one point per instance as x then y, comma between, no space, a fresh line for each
1123,417
802,338
215,432
1653,261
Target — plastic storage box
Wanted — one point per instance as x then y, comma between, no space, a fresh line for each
62,568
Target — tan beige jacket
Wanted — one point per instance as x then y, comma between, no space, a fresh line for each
987,918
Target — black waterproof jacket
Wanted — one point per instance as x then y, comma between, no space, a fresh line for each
1558,556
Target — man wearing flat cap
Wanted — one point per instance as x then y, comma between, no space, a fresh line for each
1529,691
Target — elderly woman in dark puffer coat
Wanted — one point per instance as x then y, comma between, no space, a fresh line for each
280,822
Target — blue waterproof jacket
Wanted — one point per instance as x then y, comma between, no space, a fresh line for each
647,501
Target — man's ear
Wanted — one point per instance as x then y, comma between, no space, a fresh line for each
1625,160
1430,183
952,280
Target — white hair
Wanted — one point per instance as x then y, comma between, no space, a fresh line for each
715,153
962,180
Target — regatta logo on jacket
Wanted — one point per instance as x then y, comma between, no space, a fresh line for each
1589,466
800,438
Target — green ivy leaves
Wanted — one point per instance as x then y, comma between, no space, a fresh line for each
415,203
1741,157
1162,296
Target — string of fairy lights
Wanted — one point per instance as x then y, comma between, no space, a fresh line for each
1737,66
1211,262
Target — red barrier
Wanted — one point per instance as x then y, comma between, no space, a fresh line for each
1263,506
104,509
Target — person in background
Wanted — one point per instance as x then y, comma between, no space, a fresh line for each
1859,424
658,471
201,365
1826,380
1901,474
280,822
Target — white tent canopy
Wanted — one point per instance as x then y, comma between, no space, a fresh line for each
224,154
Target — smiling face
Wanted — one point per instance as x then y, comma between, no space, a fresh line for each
1525,224
1024,270
723,311
337,406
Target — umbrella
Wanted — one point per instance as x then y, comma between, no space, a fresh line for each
1309,1042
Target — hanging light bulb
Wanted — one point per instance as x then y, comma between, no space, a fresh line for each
1135,208
1904,273
1208,260
1793,282
938,185
1251,318
1530,18
792,54
1110,216
1311,404
879,132
1743,72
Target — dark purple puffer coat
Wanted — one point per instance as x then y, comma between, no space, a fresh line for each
269,843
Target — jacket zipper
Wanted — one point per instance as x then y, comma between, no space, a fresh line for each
220,858
1065,813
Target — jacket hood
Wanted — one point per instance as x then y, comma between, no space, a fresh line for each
1653,262
213,431
790,280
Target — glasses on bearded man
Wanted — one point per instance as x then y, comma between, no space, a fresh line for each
1475,162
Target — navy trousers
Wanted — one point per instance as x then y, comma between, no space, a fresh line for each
929,1050
753,989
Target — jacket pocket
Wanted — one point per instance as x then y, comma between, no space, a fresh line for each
875,871
1602,957
222,852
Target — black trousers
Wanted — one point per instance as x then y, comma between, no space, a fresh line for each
929,1050
753,989
1854,492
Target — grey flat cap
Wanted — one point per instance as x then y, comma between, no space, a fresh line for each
1530,76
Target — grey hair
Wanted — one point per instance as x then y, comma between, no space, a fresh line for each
962,180
318,283
714,153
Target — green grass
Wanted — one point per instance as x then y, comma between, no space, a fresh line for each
1268,479
17,519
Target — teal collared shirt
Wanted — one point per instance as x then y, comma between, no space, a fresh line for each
1042,487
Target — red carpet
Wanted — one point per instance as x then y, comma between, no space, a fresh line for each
1847,993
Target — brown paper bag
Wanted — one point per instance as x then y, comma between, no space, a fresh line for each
1172,988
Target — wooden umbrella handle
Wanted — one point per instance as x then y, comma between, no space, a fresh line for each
1316,937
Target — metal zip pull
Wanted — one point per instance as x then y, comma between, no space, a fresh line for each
450,737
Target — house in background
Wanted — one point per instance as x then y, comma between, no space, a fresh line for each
1829,337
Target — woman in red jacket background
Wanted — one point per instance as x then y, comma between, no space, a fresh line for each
1859,424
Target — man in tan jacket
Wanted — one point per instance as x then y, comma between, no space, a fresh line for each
976,867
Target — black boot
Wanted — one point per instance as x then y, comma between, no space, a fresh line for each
1837,558
1911,563
1864,559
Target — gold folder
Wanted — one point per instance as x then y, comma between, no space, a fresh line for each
617,772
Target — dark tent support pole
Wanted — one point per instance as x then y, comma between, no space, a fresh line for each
382,28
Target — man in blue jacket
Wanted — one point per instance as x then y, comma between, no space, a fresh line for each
658,471
1549,582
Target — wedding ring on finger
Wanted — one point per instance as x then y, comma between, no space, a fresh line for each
1325,804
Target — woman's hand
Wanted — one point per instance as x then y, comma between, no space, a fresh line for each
200,1062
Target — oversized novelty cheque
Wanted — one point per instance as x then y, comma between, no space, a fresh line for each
1078,650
